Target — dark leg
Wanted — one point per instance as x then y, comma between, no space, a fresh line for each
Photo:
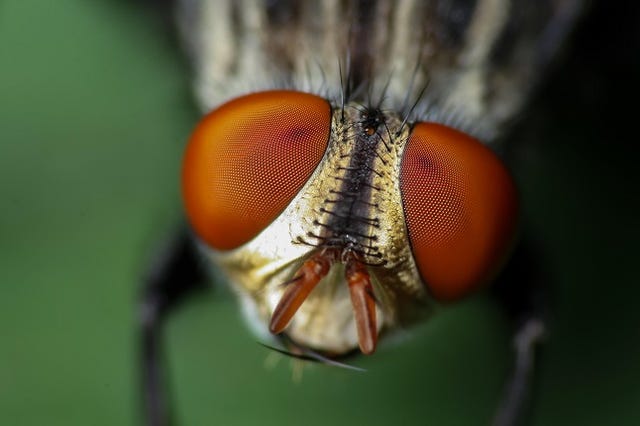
520,290
175,273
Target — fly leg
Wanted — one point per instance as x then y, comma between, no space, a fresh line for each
520,291
175,272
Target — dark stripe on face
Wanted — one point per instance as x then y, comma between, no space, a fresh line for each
353,213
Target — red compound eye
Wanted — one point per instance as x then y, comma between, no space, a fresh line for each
460,206
248,159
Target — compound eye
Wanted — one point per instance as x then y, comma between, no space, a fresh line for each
460,206
248,159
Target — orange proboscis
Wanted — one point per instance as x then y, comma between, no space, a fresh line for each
304,281
364,305
362,297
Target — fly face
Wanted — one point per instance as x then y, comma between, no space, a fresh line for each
338,219
336,223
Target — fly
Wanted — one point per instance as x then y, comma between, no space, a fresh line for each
341,178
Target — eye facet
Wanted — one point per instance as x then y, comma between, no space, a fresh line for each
248,159
460,207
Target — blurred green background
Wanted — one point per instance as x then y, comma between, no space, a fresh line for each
94,109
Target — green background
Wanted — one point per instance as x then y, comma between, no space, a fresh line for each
94,109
